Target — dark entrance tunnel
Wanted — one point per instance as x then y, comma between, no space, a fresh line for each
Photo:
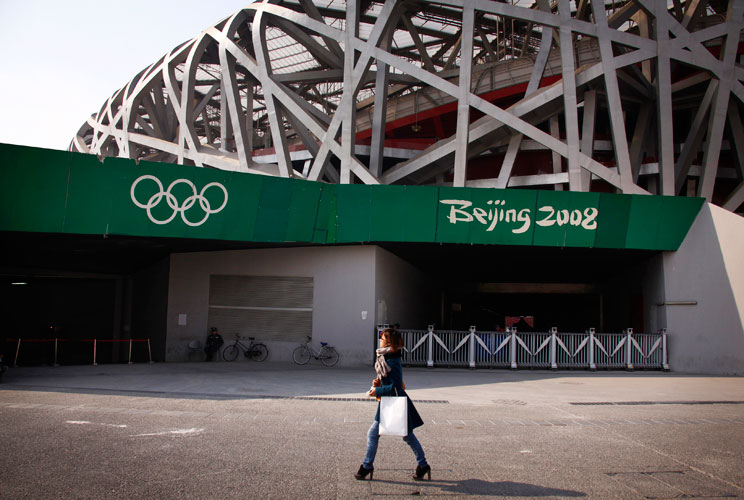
41,308
84,287
572,289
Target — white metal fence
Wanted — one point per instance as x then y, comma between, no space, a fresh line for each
546,350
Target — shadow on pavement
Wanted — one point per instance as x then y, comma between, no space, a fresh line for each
281,380
492,488
142,393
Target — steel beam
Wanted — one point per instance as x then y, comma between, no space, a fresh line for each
737,134
694,137
321,54
571,117
556,158
664,110
537,73
330,42
587,133
717,119
425,59
380,111
463,104
614,103
276,122
639,138
736,198
231,98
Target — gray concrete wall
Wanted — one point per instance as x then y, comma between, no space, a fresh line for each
708,268
653,294
344,288
404,294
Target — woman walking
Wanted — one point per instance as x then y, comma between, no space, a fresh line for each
389,382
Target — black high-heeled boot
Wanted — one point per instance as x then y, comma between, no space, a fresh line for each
421,472
362,473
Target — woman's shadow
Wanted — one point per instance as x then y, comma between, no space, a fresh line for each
489,488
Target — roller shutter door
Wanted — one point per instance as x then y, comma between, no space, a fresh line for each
265,307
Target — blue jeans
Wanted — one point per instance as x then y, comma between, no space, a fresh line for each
373,438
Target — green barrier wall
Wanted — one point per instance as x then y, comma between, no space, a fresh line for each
62,192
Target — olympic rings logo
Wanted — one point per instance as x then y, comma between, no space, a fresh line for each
170,199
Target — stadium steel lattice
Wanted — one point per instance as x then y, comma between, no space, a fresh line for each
631,96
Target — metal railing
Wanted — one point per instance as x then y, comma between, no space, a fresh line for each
545,350
57,341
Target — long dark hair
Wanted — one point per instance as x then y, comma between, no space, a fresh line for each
394,337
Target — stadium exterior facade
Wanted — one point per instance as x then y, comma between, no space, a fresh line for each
439,162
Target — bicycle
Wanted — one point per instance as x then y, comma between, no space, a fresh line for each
255,351
327,354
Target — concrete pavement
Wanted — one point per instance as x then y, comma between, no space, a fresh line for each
250,430
244,379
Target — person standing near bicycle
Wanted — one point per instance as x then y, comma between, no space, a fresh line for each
213,344
389,382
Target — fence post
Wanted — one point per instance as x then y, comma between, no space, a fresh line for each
628,350
513,348
665,361
592,365
55,352
149,351
553,349
130,351
18,348
430,348
472,347
94,353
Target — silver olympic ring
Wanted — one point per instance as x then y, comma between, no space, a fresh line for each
170,199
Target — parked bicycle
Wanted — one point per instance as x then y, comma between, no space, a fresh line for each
326,354
255,351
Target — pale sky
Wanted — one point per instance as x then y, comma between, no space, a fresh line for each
62,59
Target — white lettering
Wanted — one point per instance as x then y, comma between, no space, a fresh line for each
455,212
524,217
495,220
548,220
495,212
590,220
479,214
575,217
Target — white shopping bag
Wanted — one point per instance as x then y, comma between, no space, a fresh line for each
393,416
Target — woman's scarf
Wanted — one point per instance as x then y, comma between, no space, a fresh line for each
381,366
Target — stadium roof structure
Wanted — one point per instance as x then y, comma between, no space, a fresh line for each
634,96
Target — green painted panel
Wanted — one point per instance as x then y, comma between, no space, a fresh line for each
33,183
273,210
354,209
612,228
89,200
679,214
56,191
325,219
388,212
402,213
420,220
303,210
241,211
656,221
